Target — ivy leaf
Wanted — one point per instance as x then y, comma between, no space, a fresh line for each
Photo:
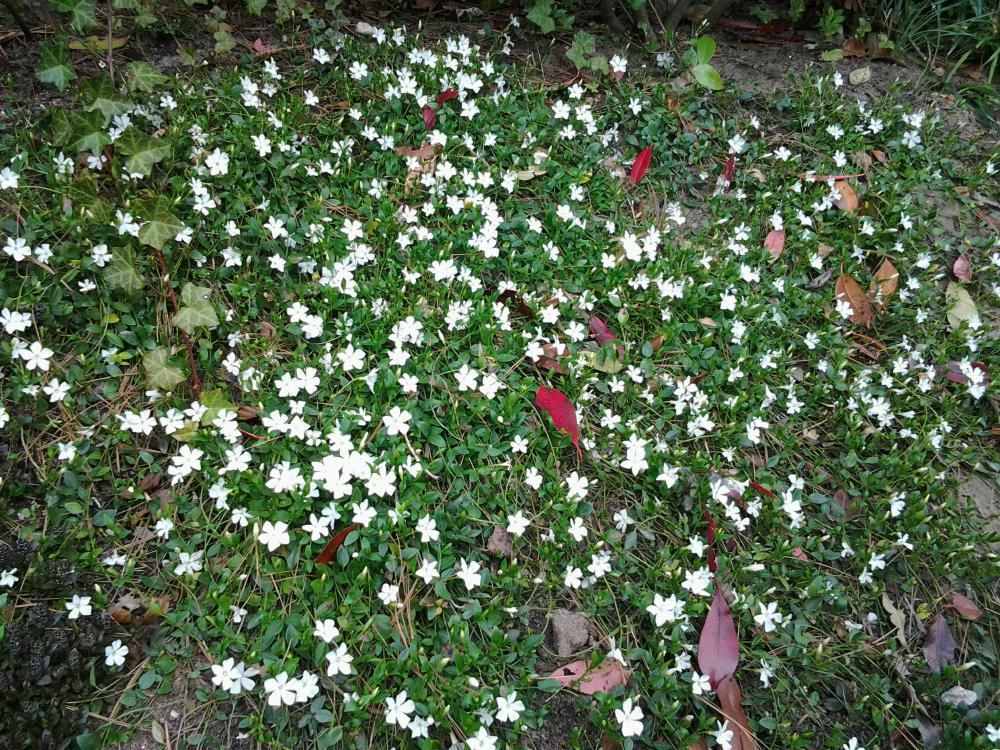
718,645
54,66
121,274
144,151
105,98
214,402
144,77
197,311
159,372
82,13
707,76
560,408
540,14
161,226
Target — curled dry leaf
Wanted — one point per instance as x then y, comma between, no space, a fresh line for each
884,284
731,703
965,607
847,290
656,343
775,242
939,648
848,200
962,269
552,356
247,413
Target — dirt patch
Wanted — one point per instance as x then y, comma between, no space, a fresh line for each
567,725
986,500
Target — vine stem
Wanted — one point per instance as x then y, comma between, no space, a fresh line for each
192,363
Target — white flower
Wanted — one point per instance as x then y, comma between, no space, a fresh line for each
273,535
481,740
665,610
853,744
36,356
398,710
428,570
326,630
8,577
517,523
769,617
397,421
339,661
280,690
724,735
629,717
700,683
509,708
573,578
469,573
217,163
114,655
78,607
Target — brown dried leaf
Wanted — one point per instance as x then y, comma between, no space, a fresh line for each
775,243
731,702
939,648
880,156
962,269
247,413
965,607
825,250
853,47
884,284
500,544
656,342
848,197
847,290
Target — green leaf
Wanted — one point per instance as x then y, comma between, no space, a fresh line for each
144,150
82,13
142,76
121,274
159,372
832,55
197,311
89,741
54,66
90,132
224,42
104,98
584,45
961,307
540,14
161,226
707,76
705,49
214,402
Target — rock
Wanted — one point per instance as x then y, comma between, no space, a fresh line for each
959,696
570,632
499,544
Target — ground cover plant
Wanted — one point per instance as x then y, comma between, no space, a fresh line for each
388,397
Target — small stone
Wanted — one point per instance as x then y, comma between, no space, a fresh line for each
570,632
959,696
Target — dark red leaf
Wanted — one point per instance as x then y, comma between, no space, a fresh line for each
333,545
447,96
956,375
962,268
731,702
521,308
430,117
718,645
763,490
641,164
560,408
939,648
729,171
602,334
965,607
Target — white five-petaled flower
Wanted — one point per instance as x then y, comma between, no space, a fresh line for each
78,607
629,718
273,535
114,655
509,708
397,421
398,710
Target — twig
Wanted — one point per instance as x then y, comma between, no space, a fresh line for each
111,56
416,458
192,362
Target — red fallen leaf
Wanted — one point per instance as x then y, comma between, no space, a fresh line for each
602,679
710,534
718,645
261,48
333,545
763,490
600,330
965,607
641,164
560,408
939,648
799,554
446,96
775,242
729,171
430,117
955,374
731,702
962,268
